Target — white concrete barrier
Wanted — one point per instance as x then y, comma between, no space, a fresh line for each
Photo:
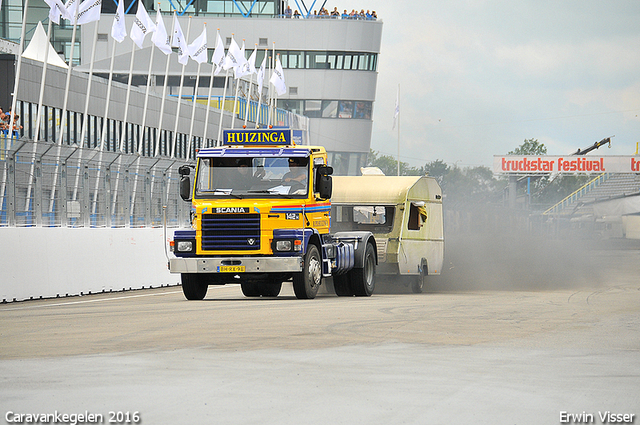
51,262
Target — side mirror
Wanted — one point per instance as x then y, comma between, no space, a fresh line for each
185,188
184,170
185,182
324,185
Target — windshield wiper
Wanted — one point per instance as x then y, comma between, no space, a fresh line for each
225,192
270,192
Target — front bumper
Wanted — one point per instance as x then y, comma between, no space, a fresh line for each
250,264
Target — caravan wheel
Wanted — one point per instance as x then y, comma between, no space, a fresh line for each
417,283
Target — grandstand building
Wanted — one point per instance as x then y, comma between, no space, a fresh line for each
330,63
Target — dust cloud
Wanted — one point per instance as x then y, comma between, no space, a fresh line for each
505,250
517,261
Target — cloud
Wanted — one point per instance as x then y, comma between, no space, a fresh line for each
479,77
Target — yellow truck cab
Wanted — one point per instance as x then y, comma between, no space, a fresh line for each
260,215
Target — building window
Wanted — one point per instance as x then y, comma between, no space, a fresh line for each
329,108
346,163
294,106
363,110
346,109
327,60
343,109
312,108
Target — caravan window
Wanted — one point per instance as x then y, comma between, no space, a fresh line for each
362,217
417,215
369,215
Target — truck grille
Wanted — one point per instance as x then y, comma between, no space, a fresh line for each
230,232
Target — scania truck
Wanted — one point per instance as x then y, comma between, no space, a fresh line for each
260,216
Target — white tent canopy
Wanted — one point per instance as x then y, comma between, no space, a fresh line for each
37,48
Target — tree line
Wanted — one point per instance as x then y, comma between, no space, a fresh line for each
477,185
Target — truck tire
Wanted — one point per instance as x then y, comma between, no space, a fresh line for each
307,282
250,289
363,281
194,286
268,288
271,288
342,286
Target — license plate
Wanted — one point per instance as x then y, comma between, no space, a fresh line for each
230,269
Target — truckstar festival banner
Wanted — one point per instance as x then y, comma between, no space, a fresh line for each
531,164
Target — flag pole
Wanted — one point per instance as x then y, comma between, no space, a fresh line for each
146,102
105,121
224,95
16,83
63,122
193,111
123,130
175,128
164,94
64,107
260,86
246,113
222,101
39,118
269,93
214,67
194,101
85,121
42,83
273,67
162,103
103,133
15,91
398,115
141,136
235,100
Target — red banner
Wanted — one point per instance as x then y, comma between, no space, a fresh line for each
532,164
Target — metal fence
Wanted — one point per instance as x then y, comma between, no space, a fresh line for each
51,185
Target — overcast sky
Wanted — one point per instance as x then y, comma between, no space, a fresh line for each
479,77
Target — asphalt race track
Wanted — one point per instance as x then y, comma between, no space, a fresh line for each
478,348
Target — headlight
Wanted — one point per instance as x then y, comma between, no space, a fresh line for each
185,246
283,245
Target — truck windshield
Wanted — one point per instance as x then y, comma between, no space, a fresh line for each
229,177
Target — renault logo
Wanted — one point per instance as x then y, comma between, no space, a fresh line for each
251,241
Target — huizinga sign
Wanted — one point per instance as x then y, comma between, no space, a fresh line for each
259,137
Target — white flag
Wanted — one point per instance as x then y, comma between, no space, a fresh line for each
243,64
249,65
198,49
261,73
218,54
89,11
252,61
142,25
178,40
118,30
56,8
72,8
233,56
277,79
160,37
396,112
